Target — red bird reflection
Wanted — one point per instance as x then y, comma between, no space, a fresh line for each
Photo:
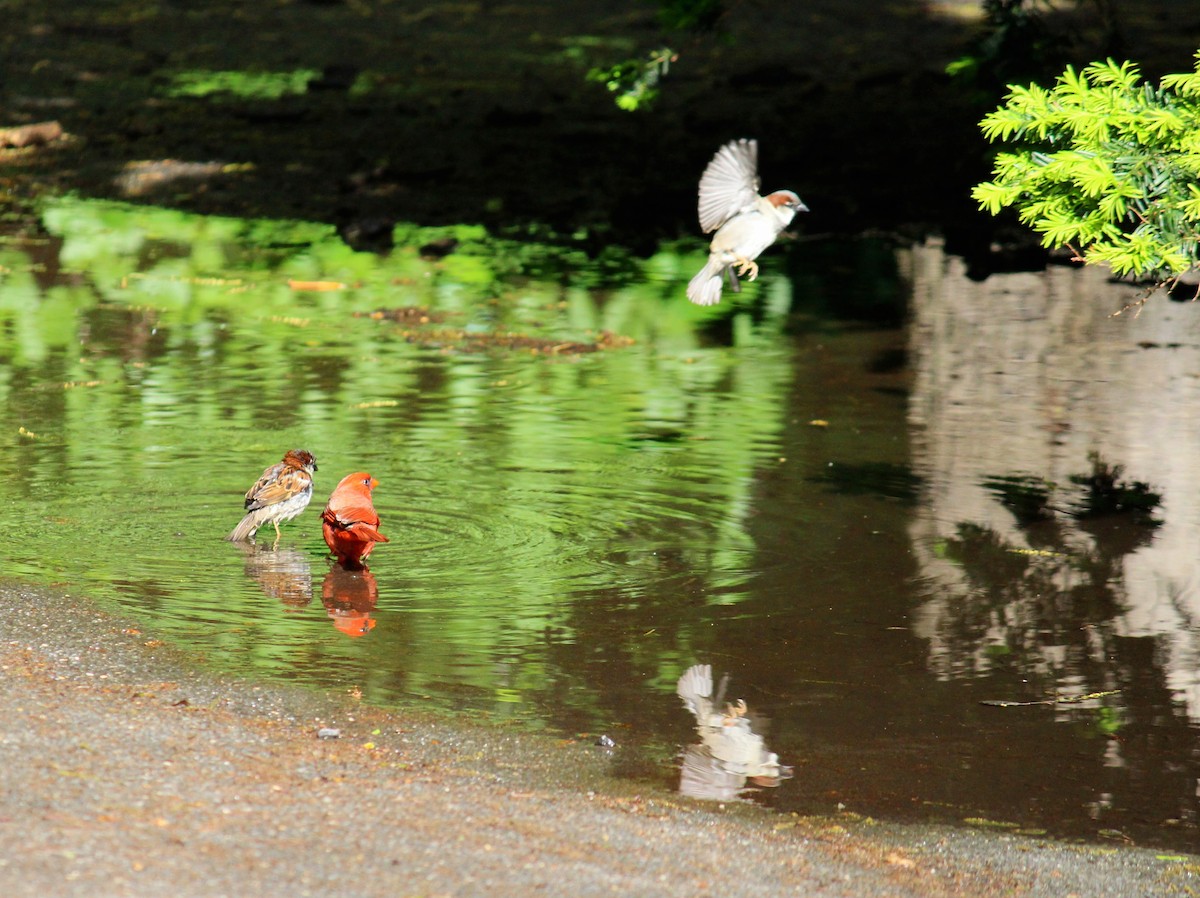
349,597
349,521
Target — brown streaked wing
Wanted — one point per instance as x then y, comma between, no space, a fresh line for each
272,491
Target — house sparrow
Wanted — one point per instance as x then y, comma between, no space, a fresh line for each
747,223
729,746
281,493
349,521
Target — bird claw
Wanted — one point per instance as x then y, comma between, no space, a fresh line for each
744,265
735,710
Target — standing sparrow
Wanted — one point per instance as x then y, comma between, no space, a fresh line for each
349,521
279,495
746,223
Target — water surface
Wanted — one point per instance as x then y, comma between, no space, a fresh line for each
862,488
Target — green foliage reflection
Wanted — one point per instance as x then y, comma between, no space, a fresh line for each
171,357
248,85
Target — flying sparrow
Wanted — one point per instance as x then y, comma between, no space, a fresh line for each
746,223
349,521
279,495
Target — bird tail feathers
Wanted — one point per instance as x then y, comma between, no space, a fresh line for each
245,529
705,288
361,530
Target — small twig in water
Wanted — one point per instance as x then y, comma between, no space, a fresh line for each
1066,700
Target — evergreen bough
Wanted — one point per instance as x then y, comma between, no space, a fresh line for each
1104,164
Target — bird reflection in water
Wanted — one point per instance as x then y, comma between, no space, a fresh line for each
730,757
283,574
349,597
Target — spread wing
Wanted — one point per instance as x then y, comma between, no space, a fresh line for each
729,183
695,687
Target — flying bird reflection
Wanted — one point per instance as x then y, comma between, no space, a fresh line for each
730,756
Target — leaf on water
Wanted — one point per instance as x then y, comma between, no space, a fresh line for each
316,286
407,315
994,824
196,280
28,135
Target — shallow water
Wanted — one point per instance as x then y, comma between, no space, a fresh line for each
590,485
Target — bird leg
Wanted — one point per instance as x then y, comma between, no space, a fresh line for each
734,711
276,523
744,265
734,285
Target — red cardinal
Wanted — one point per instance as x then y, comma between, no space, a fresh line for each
349,521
